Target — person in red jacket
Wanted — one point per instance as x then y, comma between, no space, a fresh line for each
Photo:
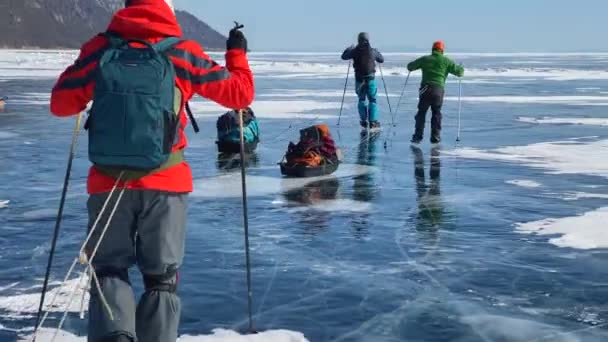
148,226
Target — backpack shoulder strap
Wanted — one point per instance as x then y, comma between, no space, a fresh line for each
166,44
113,38
163,46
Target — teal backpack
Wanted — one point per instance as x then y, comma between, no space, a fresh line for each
134,120
228,128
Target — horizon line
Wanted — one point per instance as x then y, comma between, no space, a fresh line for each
330,52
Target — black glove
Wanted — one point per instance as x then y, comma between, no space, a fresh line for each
236,40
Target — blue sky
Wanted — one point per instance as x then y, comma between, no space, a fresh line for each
465,25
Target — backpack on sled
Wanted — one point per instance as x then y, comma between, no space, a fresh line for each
228,132
314,155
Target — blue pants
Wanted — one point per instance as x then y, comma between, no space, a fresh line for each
367,90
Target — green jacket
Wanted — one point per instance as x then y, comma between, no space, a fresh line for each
435,68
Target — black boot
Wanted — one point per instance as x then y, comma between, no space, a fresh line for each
363,124
417,137
435,136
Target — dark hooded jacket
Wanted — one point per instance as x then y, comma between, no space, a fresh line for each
364,59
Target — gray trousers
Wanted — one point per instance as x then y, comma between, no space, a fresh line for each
148,229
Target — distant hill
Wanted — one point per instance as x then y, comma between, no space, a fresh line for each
51,24
195,29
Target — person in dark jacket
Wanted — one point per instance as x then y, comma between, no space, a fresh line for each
364,62
148,228
435,69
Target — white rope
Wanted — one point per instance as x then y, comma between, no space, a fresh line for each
98,218
67,308
89,262
101,296
54,299
82,258
105,229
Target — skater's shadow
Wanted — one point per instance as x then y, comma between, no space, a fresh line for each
365,187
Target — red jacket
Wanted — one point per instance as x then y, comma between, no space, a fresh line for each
153,20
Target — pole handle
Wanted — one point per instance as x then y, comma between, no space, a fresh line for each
238,26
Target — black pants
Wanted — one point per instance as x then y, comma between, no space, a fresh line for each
430,96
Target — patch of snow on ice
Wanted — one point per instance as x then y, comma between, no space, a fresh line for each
219,335
550,74
585,138
294,93
531,62
571,121
7,135
24,64
222,335
229,186
274,109
295,69
337,205
581,232
23,305
524,183
504,328
31,64
575,196
9,286
481,81
561,99
30,98
561,157
588,89
40,214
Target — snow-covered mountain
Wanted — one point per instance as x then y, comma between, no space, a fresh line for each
69,23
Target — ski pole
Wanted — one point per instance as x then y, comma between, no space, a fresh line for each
387,98
58,222
403,91
344,94
459,108
246,222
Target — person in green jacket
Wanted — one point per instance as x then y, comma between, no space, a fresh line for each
435,69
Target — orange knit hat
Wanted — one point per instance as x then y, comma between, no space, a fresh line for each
438,45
